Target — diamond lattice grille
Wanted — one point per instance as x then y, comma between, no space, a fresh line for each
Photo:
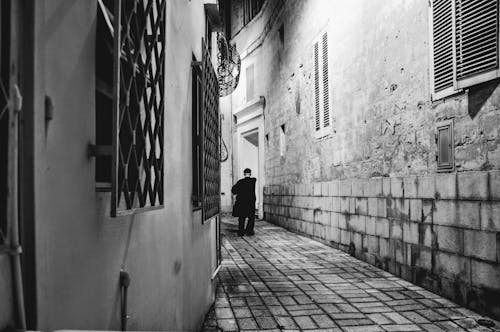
139,106
211,158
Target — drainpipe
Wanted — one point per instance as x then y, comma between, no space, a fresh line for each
124,283
16,250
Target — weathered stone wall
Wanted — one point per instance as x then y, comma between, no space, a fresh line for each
385,121
441,232
373,182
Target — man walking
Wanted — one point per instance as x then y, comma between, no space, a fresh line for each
244,207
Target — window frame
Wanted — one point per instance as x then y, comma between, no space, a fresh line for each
102,149
323,132
458,84
210,142
251,8
152,196
196,134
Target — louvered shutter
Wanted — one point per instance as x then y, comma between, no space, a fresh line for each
442,38
326,94
476,41
445,146
465,38
322,116
317,110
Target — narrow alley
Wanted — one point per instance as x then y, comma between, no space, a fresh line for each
279,280
362,136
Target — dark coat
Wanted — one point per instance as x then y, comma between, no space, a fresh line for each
244,190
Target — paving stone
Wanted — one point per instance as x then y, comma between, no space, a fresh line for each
305,322
266,322
402,327
227,324
379,319
242,312
354,322
323,321
286,323
224,313
247,324
277,310
365,328
261,312
281,281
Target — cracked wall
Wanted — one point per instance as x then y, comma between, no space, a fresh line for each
384,120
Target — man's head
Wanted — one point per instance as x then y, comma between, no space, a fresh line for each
247,172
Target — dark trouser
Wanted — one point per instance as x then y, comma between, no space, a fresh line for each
250,224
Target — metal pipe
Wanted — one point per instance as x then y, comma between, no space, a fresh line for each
124,284
15,108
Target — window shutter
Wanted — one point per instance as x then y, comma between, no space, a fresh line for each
442,31
445,146
326,95
317,110
476,37
465,36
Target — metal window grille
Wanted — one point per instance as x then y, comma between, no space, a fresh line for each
138,105
210,135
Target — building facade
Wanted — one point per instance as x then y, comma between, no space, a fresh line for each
106,196
379,133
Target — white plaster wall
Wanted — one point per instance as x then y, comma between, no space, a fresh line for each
80,250
227,166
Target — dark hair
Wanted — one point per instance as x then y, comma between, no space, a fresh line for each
247,170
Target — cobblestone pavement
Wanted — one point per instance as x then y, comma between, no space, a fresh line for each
278,280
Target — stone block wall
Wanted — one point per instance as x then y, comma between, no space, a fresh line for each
439,231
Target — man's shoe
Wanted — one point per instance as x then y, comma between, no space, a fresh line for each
241,233
250,233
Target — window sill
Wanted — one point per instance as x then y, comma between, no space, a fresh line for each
441,96
324,137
